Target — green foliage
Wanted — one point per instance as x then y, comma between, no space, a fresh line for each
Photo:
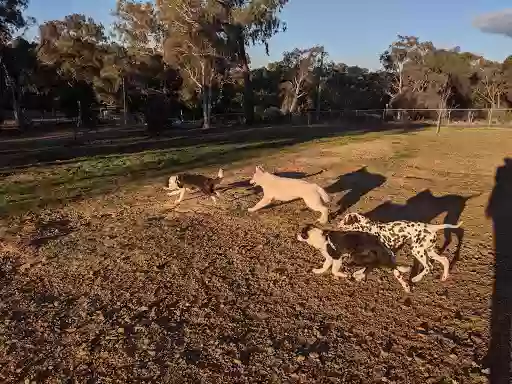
192,54
12,19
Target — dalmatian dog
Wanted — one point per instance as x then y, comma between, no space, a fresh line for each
352,249
395,234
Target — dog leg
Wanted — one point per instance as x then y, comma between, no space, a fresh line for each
401,280
214,199
182,195
360,274
336,265
175,192
324,216
315,204
403,268
421,256
325,267
441,259
260,204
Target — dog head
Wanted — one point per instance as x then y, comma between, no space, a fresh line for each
316,237
258,173
353,221
174,182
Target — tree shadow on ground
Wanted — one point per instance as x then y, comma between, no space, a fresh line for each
499,208
19,155
71,181
358,184
425,207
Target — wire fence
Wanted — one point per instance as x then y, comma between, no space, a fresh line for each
445,117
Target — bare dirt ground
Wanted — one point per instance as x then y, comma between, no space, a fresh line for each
123,288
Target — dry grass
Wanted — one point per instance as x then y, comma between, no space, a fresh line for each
120,287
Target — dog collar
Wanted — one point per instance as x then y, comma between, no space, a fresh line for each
330,243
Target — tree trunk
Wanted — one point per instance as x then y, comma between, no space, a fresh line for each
206,115
285,105
490,116
78,120
295,101
439,118
209,105
319,87
246,71
16,108
125,114
318,103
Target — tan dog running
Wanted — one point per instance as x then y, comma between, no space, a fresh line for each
288,189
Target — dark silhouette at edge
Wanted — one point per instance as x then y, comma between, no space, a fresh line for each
499,357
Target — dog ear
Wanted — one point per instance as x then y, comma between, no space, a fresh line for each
304,232
351,219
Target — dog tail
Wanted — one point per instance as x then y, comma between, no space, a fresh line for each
446,226
325,197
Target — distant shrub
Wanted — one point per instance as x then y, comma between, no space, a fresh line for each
273,115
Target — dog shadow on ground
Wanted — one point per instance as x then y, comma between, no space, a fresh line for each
499,209
358,184
425,207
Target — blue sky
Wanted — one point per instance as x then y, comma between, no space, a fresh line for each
353,32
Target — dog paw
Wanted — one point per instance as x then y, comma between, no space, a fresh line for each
358,276
318,271
251,210
407,289
417,278
337,275
444,277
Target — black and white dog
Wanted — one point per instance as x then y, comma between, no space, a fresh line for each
179,183
352,249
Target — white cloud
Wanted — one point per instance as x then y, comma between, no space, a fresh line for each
499,22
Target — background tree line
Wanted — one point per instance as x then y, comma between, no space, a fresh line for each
188,58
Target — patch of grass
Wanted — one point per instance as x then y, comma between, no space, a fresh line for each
350,137
404,153
38,187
